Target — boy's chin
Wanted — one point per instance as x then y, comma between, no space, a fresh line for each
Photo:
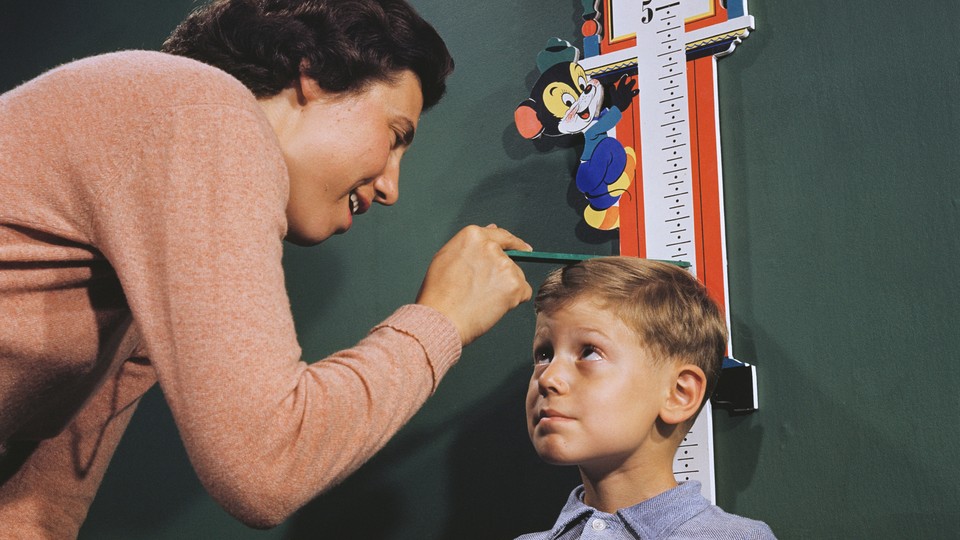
556,458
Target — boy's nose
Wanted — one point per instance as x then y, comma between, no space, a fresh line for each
552,380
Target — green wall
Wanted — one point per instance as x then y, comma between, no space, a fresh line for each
840,125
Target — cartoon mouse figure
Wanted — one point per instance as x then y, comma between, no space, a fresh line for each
564,101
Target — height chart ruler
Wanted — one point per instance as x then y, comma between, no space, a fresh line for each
667,184
674,209
665,133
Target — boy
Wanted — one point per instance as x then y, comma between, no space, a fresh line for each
626,352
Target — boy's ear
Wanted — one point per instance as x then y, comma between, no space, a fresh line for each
686,395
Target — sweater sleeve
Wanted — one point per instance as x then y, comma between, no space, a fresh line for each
194,230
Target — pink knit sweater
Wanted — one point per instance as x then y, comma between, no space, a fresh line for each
142,201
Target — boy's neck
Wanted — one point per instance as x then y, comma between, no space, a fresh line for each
625,487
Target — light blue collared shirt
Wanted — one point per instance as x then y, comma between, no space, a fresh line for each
681,513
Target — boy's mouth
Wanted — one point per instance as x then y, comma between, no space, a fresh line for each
550,414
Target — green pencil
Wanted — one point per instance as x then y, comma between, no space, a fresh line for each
549,257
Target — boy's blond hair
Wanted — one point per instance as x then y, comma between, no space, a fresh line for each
670,310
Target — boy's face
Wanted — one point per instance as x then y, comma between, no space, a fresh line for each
596,393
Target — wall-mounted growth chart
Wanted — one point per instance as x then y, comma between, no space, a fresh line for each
643,96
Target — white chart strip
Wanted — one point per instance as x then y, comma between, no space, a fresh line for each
665,134
668,184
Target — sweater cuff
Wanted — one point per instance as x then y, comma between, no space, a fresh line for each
435,333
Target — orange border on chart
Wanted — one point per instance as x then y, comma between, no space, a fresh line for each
705,175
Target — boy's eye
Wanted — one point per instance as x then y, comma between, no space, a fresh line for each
542,355
590,354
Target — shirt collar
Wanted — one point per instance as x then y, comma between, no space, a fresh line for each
657,517
649,519
573,511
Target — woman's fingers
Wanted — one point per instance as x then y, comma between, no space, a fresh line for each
473,282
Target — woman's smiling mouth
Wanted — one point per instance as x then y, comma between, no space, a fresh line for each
354,203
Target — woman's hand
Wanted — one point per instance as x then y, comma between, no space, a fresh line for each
473,282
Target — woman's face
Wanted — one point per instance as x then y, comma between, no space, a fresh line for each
343,153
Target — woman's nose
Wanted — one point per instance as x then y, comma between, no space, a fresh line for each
387,185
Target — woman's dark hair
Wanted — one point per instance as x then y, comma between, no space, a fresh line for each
342,44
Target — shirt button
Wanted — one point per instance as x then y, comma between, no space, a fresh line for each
598,525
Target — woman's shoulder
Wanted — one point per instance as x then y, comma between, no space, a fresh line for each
146,76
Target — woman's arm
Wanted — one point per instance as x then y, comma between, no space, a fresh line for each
194,232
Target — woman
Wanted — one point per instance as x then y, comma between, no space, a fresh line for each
145,197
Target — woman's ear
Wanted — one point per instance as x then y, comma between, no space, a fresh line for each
689,384
308,89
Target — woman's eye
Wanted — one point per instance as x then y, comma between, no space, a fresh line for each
590,354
